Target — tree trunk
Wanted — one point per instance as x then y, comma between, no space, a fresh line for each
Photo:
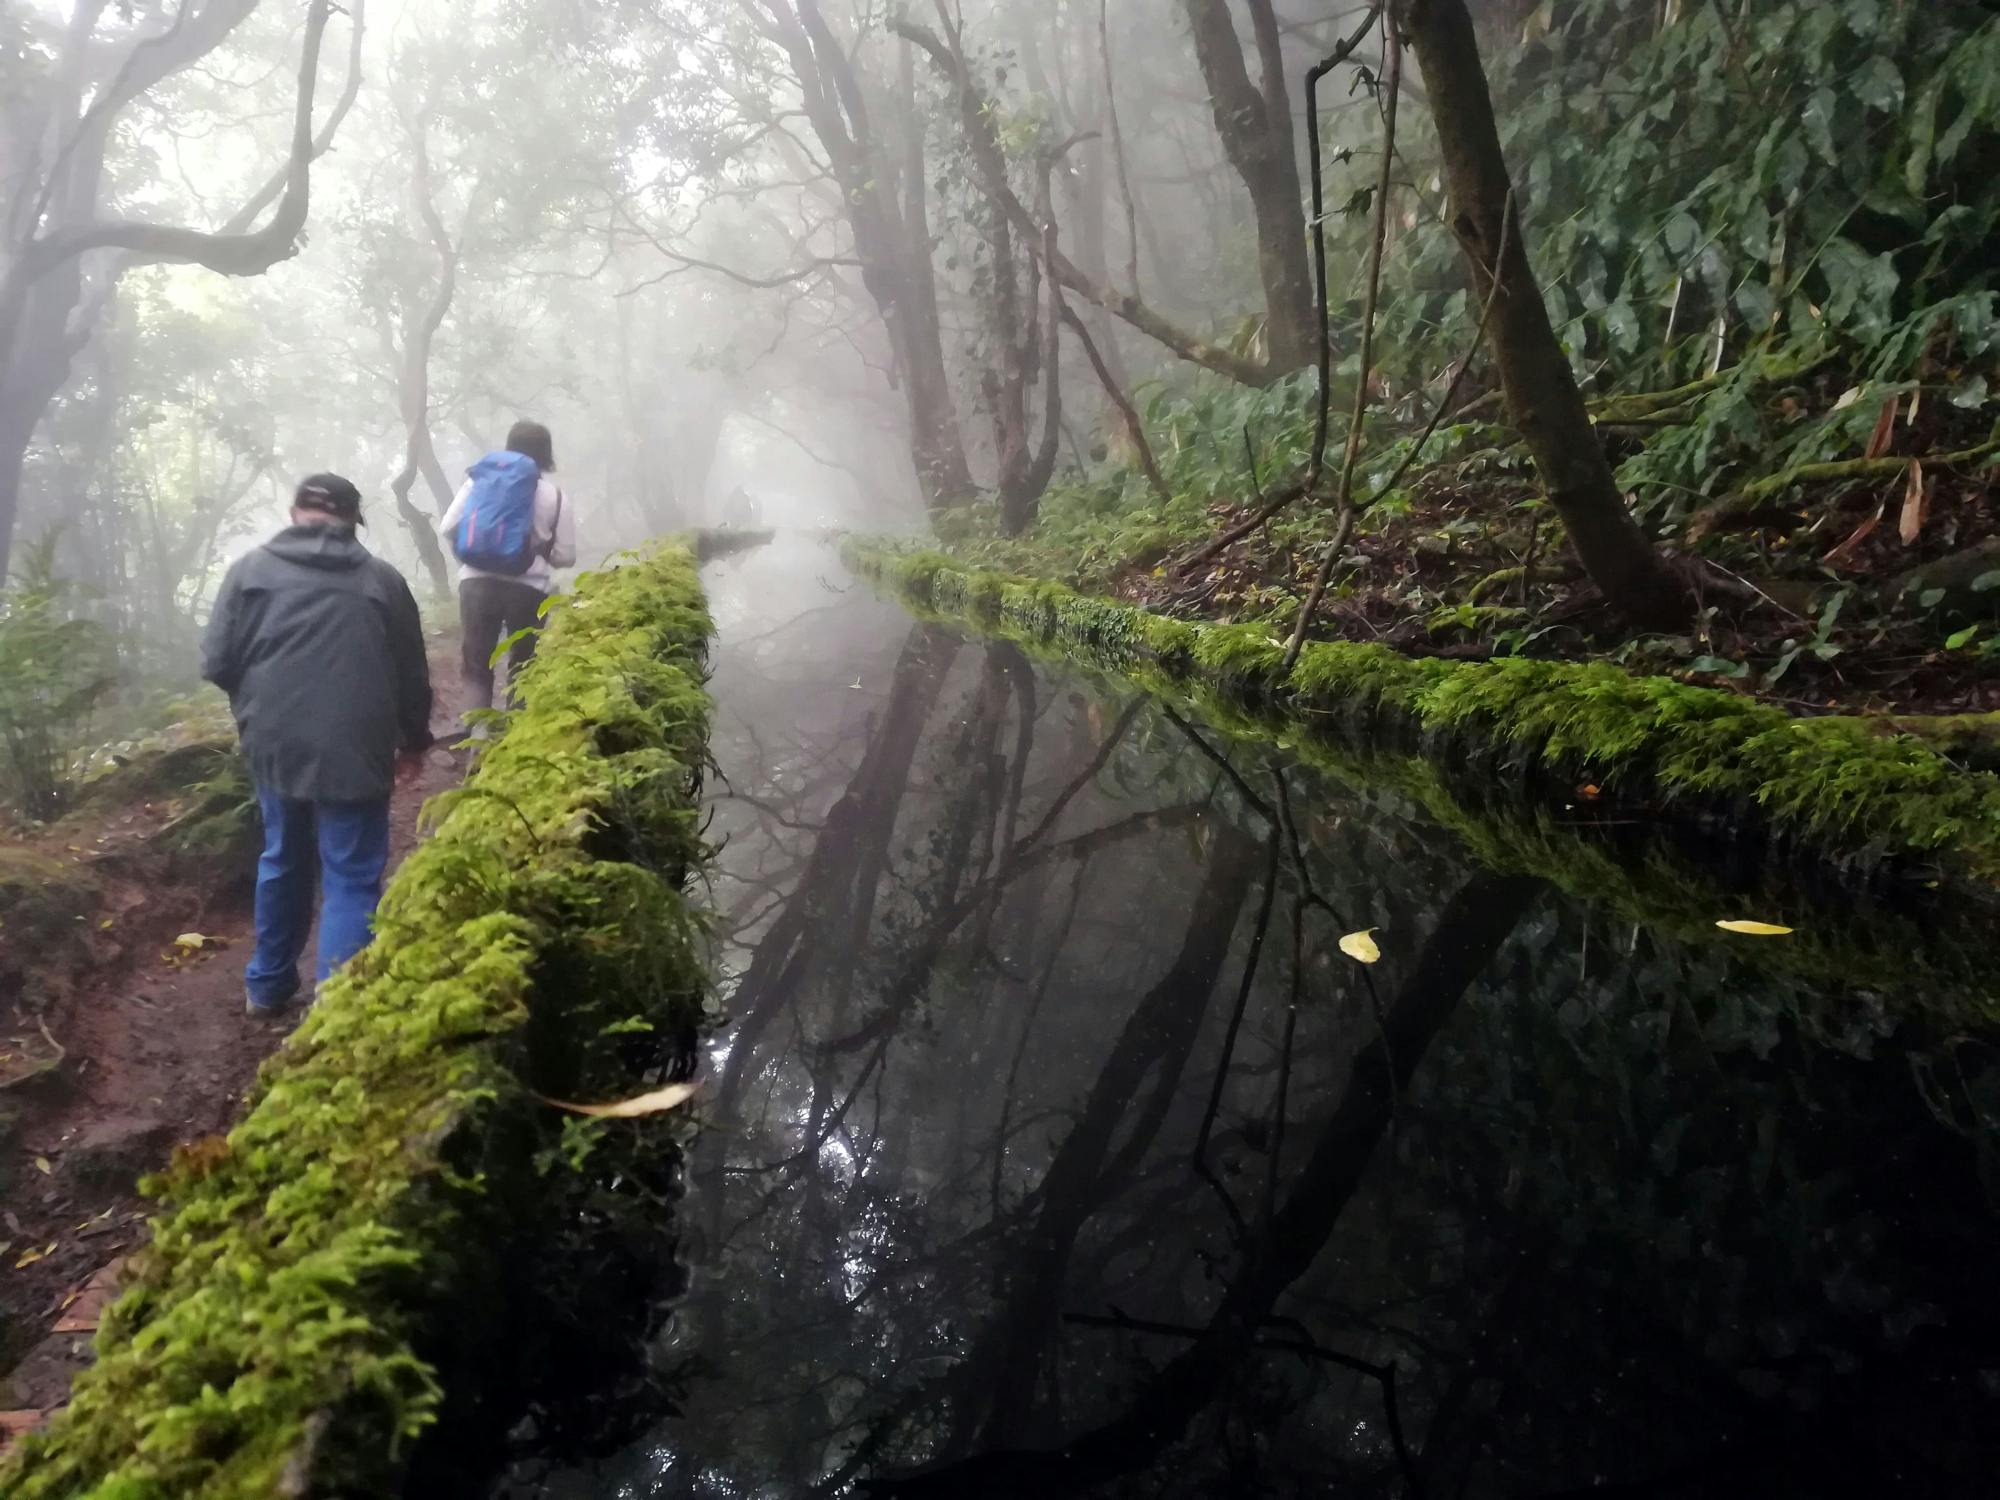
894,250
17,430
422,529
1256,130
1543,399
911,312
1150,1054
1469,935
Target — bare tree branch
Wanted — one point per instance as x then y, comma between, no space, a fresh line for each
974,114
232,254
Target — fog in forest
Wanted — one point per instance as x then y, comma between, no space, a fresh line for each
1314,809
740,266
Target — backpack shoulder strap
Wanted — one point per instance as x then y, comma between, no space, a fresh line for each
555,525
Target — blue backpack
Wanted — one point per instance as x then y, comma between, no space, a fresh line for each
496,530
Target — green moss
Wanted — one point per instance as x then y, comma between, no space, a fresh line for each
281,1332
158,771
1941,961
1838,779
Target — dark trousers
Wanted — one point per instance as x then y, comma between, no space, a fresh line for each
489,611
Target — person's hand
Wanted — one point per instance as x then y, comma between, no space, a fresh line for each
409,766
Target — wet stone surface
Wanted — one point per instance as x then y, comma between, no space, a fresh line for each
1054,1145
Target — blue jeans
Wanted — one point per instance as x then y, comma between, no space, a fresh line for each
347,845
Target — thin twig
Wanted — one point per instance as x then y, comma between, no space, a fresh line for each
1283,1102
1243,989
1286,494
1118,148
1317,72
1223,541
1134,427
1528,562
1301,1343
1464,365
1345,497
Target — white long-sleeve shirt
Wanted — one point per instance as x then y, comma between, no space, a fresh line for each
555,536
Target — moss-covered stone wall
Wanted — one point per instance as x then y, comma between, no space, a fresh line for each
1858,785
329,1283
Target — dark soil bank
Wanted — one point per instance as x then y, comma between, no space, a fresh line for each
140,1044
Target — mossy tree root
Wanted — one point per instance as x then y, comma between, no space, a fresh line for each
1760,492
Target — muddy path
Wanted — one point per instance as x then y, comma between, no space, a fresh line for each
157,1051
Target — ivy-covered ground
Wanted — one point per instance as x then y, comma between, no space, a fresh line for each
1766,235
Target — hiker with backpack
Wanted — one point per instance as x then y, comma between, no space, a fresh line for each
510,527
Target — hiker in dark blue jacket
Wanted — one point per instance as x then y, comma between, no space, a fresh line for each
319,645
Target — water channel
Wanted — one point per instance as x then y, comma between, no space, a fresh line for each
1054,1146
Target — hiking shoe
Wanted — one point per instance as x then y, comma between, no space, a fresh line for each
258,1011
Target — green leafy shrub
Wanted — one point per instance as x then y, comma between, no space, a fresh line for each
57,665
1777,212
321,1287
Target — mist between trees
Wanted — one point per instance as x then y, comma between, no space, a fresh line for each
843,262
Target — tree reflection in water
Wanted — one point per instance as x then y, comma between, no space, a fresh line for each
1057,1148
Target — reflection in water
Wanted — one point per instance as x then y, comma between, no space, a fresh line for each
1055,1147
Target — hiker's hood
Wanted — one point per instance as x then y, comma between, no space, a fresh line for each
329,546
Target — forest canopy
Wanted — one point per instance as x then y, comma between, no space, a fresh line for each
1045,272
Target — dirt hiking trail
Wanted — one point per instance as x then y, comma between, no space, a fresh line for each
156,1052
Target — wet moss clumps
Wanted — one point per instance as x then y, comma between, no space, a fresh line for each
350,1279
1856,781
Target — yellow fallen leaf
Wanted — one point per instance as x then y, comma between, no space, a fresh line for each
194,942
1756,929
1360,946
42,1165
658,1102
29,1257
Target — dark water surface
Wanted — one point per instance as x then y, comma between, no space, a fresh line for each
1055,1147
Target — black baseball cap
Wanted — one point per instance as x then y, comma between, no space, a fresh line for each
330,493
